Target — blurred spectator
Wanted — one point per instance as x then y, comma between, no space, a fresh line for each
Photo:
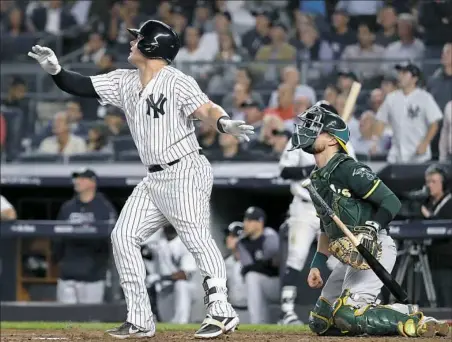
259,256
387,19
191,57
242,19
353,122
259,36
413,116
291,76
210,41
389,84
272,139
445,141
284,108
53,18
202,17
223,73
63,141
82,262
440,83
436,19
341,35
179,21
94,49
5,7
300,105
330,94
408,47
7,211
115,122
363,58
16,97
376,99
278,50
16,22
232,103
208,137
253,116
231,150
365,142
106,63
98,140
164,12
123,15
3,132
345,81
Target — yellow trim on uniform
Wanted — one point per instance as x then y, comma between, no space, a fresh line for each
341,143
371,191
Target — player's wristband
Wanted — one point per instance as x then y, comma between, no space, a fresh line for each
219,125
319,260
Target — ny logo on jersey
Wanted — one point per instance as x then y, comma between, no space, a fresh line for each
156,106
413,112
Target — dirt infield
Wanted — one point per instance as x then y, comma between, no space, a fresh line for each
9,335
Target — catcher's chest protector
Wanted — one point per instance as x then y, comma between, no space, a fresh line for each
329,183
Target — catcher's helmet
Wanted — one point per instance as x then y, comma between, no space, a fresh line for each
157,40
321,117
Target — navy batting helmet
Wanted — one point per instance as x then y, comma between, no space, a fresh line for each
157,40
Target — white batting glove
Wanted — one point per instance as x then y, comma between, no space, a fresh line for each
46,58
237,128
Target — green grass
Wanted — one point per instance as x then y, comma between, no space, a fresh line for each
160,326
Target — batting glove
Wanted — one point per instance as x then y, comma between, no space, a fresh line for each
46,58
237,128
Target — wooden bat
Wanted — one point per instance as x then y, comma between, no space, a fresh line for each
351,101
387,279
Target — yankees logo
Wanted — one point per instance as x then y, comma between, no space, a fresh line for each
413,111
156,106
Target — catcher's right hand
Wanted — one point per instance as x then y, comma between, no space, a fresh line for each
46,58
315,280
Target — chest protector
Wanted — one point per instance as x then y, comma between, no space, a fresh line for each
351,209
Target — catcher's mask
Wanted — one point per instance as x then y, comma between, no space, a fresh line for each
314,121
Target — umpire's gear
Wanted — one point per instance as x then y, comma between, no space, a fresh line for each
157,40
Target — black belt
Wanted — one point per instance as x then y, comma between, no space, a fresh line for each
159,167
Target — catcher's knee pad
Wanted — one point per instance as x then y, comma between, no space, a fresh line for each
321,319
370,319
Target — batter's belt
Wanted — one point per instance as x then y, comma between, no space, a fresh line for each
161,167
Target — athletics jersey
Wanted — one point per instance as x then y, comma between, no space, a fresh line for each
158,115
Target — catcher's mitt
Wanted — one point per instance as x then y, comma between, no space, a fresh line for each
344,250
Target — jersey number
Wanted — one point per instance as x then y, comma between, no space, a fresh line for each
343,192
157,107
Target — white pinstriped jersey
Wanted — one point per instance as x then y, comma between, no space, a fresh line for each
159,114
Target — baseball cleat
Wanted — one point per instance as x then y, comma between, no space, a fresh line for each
128,330
214,326
290,318
441,327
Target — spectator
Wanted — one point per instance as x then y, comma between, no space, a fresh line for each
259,250
16,23
7,211
376,99
311,47
440,83
106,63
231,150
435,17
179,21
193,52
345,81
208,137
363,59
232,103
365,143
82,262
389,84
445,140
17,98
387,19
272,139
341,34
253,115
290,75
202,16
123,15
164,12
438,206
331,93
413,116
52,19
259,36
115,122
63,141
284,109
3,132
408,47
278,50
98,140
94,49
301,104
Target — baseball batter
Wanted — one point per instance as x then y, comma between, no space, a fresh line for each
348,303
160,103
304,225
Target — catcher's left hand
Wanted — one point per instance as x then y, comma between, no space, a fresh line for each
237,128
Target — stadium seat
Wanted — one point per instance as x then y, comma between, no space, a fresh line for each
36,157
128,156
91,157
123,143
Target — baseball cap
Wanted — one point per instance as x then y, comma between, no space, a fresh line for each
252,103
280,24
255,214
235,228
262,11
349,74
84,173
410,67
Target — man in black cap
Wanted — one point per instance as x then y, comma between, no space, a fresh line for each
413,115
83,262
202,16
258,36
345,81
259,254
254,114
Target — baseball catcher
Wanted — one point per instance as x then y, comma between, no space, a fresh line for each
348,303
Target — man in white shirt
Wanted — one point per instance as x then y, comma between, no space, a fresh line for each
7,211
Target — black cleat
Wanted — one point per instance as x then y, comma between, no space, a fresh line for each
128,330
214,326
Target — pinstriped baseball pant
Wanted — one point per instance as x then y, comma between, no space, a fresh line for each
180,195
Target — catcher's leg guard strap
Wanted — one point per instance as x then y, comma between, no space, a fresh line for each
215,290
321,319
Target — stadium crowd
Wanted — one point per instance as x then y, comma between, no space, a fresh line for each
264,61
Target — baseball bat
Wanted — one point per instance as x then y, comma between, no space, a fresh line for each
351,101
387,279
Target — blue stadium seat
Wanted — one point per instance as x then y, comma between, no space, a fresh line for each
123,143
36,157
91,157
128,156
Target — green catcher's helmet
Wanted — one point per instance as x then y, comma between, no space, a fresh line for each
321,117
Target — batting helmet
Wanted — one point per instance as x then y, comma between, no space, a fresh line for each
317,119
156,40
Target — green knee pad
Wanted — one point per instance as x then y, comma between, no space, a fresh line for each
377,320
321,319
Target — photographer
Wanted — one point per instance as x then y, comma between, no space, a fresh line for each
438,206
